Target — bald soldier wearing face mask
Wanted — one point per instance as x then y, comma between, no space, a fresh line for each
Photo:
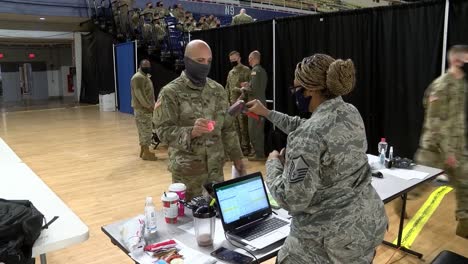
182,119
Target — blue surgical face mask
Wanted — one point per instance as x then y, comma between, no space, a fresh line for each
302,101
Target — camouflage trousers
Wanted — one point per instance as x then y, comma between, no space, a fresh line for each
241,123
242,128
144,123
257,136
334,251
458,178
195,183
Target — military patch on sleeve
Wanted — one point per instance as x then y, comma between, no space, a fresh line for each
298,170
253,73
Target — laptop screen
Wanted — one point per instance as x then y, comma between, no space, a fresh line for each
241,199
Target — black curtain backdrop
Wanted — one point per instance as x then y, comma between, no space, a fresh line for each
407,57
396,51
245,39
458,23
98,72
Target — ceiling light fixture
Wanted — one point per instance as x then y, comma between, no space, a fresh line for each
42,18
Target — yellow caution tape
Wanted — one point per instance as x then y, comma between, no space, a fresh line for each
415,225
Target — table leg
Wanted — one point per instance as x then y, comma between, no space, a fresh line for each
43,259
400,232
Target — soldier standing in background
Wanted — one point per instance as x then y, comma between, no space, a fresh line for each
241,18
185,107
443,142
143,105
239,74
255,90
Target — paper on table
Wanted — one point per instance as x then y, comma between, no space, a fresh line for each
190,256
405,174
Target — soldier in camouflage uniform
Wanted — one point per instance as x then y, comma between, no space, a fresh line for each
443,138
256,90
239,74
185,107
241,18
323,178
143,105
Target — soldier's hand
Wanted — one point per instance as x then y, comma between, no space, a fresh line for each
282,155
451,161
274,155
200,127
256,107
245,84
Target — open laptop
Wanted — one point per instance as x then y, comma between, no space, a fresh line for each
246,212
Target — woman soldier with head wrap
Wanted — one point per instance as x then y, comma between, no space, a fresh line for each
323,177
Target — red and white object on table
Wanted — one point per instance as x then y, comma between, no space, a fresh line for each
180,190
170,202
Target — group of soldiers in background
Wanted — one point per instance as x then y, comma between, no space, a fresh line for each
187,23
152,24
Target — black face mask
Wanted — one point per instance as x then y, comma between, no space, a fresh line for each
146,70
464,68
302,101
196,72
234,63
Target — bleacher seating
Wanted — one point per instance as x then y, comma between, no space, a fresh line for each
129,24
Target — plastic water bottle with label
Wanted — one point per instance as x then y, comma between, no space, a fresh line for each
150,221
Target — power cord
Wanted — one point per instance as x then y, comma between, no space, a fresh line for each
246,250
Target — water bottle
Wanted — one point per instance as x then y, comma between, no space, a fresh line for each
382,158
390,154
150,221
383,146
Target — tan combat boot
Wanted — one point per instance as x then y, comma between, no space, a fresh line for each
147,155
462,228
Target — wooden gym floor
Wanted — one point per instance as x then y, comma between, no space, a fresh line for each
90,159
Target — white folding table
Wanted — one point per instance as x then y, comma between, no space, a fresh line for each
19,182
7,155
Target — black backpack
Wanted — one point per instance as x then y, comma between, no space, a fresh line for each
20,225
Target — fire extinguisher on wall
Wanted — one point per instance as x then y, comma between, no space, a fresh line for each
70,82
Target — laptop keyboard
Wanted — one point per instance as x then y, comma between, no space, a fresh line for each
262,228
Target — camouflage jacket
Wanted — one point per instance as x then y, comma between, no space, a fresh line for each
236,76
241,19
142,91
325,182
444,123
180,103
